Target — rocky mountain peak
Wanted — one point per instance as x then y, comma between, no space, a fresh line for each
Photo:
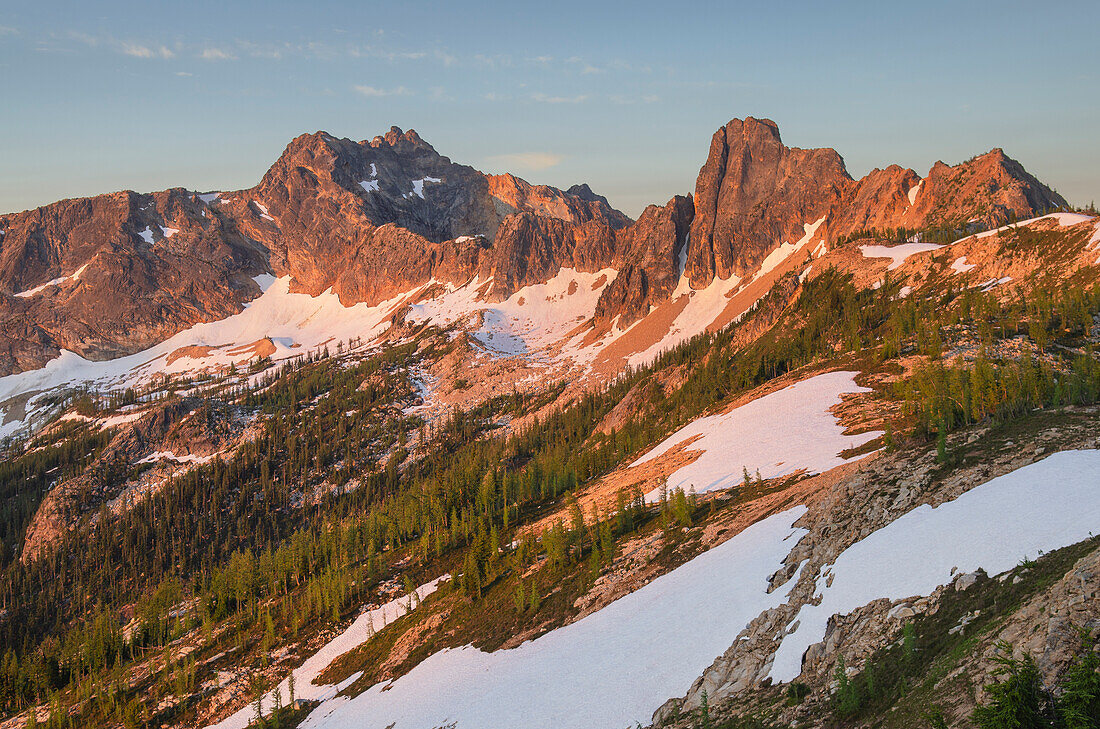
752,193
990,188
395,138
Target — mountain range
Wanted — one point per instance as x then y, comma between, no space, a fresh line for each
385,441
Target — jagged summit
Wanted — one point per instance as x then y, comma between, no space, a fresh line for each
371,220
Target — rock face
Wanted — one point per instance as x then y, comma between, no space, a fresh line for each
374,219
987,191
991,189
649,255
115,274
576,205
754,193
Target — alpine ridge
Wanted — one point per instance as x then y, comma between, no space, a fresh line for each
371,220
384,441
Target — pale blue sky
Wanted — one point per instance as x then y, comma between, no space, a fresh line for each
102,96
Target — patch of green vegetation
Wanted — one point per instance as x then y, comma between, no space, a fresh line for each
1019,700
907,673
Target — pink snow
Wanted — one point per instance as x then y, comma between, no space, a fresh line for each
613,668
897,254
778,434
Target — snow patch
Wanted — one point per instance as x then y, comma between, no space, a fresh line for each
1063,220
778,434
987,285
168,232
147,235
369,185
897,254
263,211
74,276
418,186
170,456
961,266
785,249
1038,508
914,192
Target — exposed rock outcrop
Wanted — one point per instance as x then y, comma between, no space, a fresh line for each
752,194
649,255
113,274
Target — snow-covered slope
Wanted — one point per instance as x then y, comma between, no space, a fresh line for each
360,631
613,668
294,323
778,434
531,322
1044,506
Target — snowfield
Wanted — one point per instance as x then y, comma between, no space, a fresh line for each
613,668
778,434
785,249
294,323
1038,508
536,322
1063,219
704,306
527,322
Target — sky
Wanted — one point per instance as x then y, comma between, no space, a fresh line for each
110,95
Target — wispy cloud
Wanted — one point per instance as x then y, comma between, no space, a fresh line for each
184,73
525,160
217,54
584,66
141,51
643,99
364,51
8,30
374,91
545,99
133,49
615,64
263,50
